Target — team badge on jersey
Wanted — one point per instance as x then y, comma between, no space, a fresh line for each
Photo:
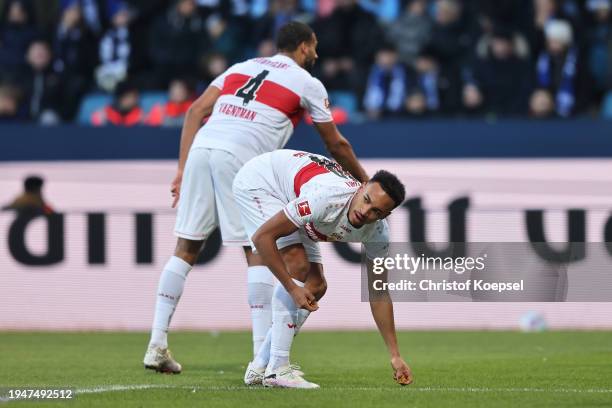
303,209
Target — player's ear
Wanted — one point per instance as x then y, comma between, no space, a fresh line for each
386,215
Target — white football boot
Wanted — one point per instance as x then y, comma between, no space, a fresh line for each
254,375
285,377
297,370
161,360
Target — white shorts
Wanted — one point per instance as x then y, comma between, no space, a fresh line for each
206,200
258,204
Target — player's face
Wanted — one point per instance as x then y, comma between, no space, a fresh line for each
310,53
369,205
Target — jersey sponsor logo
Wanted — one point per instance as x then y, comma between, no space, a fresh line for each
326,103
291,325
345,228
353,183
313,234
334,236
303,209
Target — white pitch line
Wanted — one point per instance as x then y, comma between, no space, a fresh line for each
115,388
112,388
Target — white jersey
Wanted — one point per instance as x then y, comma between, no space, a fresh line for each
318,193
262,100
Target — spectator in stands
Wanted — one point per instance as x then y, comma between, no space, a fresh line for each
545,11
31,201
386,11
562,83
116,50
17,31
176,40
510,13
499,80
266,49
348,41
43,86
74,52
181,95
451,37
125,109
9,104
226,36
411,31
211,66
599,40
266,27
386,87
432,87
94,13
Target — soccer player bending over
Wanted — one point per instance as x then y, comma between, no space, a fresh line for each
289,201
253,107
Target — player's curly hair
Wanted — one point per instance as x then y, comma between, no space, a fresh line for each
292,34
391,185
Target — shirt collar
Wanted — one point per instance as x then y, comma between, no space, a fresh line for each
285,59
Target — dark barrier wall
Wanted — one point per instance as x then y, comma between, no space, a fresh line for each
416,139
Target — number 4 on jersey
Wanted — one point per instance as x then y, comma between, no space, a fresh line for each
247,92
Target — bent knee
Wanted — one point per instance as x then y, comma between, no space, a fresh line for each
320,290
188,250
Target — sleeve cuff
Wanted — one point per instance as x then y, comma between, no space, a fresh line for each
291,218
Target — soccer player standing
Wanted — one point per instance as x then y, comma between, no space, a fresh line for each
253,108
289,201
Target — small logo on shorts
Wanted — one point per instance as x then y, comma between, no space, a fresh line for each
303,209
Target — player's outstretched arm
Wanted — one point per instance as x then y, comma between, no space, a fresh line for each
264,240
199,109
382,311
341,150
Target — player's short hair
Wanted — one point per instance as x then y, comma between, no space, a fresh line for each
292,34
33,184
391,185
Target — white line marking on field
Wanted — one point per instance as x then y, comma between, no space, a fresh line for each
113,388
136,387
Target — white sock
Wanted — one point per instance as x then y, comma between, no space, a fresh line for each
302,315
284,322
263,355
169,291
260,290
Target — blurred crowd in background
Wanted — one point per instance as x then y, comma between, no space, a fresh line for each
95,61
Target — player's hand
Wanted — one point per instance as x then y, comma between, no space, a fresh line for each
304,299
175,188
402,374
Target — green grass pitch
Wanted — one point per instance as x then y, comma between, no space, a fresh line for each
458,369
